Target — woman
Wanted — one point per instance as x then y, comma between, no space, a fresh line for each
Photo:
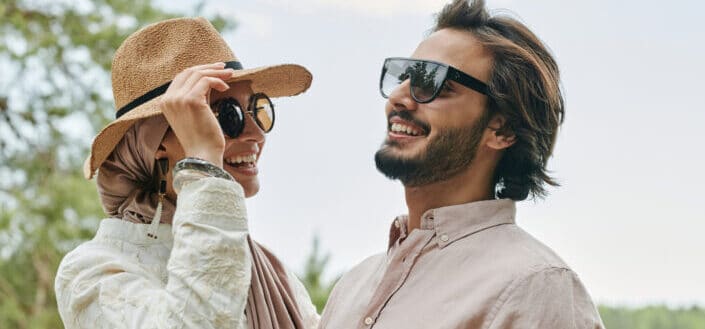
175,252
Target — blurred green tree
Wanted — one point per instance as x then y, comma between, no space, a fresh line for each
312,276
653,317
55,94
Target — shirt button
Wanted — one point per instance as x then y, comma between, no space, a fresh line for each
444,237
369,321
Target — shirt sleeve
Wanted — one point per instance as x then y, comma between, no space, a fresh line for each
549,298
208,271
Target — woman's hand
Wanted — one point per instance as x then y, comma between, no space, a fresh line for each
186,107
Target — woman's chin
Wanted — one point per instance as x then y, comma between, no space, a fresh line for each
248,181
251,189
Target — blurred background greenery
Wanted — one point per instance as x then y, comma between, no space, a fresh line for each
54,92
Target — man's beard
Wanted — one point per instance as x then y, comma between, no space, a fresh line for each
446,155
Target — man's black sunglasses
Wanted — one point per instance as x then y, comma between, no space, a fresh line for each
231,116
427,78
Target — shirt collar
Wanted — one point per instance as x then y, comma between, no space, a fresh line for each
451,223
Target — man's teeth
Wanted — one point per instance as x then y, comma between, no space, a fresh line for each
402,128
242,158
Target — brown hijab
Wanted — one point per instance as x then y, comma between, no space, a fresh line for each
271,303
126,178
127,191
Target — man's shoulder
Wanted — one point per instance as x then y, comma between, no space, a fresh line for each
366,268
525,246
509,249
365,274
357,283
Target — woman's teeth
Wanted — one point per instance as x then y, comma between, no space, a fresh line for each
404,129
241,159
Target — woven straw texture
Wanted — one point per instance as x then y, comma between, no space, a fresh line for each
155,54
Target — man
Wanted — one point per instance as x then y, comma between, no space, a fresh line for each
472,121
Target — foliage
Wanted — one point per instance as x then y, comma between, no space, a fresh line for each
312,276
55,94
653,317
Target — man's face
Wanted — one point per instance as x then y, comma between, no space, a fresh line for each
247,146
445,133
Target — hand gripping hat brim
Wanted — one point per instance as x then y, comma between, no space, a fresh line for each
150,58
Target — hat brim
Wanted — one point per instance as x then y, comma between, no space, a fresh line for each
275,81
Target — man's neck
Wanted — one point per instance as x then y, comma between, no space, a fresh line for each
468,186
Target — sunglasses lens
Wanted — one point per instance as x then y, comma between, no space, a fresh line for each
393,74
426,80
231,117
264,112
426,77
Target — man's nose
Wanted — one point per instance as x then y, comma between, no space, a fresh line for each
400,98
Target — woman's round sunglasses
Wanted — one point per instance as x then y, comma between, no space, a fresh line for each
231,116
427,78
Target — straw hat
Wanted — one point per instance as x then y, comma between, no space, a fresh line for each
150,58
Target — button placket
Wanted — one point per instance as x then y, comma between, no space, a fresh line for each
403,256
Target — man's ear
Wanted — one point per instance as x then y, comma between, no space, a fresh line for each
502,136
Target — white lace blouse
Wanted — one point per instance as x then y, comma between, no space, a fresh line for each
196,274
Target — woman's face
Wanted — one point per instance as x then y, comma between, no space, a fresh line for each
241,154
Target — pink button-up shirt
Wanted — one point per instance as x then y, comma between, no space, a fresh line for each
468,266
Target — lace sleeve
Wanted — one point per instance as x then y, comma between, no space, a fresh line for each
208,271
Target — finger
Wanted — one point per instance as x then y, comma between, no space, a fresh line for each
198,75
176,88
203,87
185,74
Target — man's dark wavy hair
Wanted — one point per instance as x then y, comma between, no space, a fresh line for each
523,88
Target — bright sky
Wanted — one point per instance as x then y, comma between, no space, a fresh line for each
629,216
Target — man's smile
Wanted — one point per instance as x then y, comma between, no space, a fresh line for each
404,130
